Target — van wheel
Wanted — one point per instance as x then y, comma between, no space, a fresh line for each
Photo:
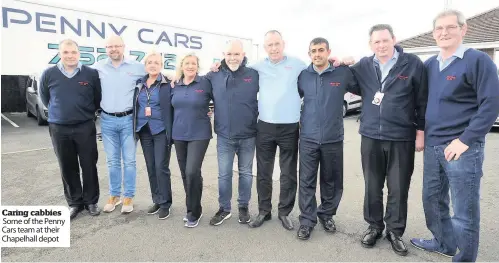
344,109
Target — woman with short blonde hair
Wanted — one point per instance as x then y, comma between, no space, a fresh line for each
153,121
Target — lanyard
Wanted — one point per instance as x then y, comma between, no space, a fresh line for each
148,94
380,75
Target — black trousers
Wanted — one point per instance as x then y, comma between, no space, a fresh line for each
270,136
395,161
330,158
190,156
76,145
157,153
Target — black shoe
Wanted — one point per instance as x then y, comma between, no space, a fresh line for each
74,211
328,225
244,216
163,213
286,222
397,243
220,217
153,209
259,220
304,232
370,237
93,210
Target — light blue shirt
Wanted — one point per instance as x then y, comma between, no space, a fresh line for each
385,68
459,53
67,74
320,71
118,83
278,99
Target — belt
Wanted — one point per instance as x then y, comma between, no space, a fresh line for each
119,114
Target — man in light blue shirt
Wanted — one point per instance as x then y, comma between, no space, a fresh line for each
459,53
118,77
72,94
393,86
279,113
69,74
382,69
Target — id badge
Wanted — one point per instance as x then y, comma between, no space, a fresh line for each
148,111
378,97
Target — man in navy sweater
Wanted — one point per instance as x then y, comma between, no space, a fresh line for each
72,94
394,90
322,87
463,103
235,89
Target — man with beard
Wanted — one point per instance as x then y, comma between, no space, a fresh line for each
235,89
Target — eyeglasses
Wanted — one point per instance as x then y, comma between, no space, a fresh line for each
451,28
115,46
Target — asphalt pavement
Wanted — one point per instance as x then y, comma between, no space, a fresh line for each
30,176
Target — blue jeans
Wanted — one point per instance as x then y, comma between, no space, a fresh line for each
119,143
462,177
245,150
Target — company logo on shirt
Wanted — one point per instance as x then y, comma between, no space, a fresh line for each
199,90
335,84
451,77
402,77
83,83
248,79
288,67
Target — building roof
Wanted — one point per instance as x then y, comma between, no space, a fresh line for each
482,28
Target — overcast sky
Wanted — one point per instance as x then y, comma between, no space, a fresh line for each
345,23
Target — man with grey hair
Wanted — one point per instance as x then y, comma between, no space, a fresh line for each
463,103
393,86
72,94
235,89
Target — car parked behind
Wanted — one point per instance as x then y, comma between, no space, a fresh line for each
34,105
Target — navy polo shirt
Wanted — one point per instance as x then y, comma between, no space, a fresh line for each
191,105
149,96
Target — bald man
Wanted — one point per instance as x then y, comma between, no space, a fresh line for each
118,76
235,89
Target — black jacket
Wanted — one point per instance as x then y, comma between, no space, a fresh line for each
323,95
235,98
403,107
